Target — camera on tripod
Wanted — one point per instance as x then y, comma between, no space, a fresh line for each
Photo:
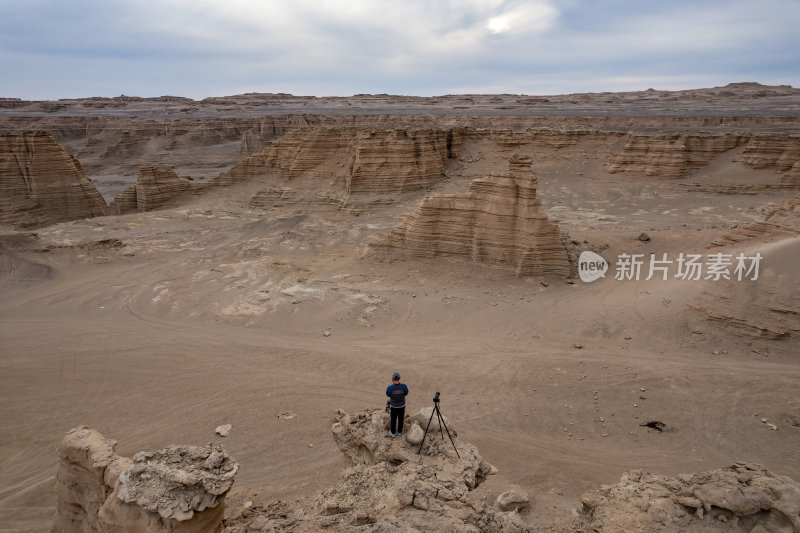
442,424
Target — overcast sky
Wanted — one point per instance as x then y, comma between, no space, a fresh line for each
77,48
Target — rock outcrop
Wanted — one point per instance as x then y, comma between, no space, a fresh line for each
400,160
786,213
741,497
675,155
390,487
781,221
762,231
40,184
791,177
154,188
498,221
272,127
177,489
671,155
360,160
778,152
128,145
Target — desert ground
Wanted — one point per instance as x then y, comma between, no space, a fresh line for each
264,302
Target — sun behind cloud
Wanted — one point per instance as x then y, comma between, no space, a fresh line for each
498,24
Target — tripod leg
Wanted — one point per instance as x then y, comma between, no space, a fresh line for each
441,421
426,431
448,434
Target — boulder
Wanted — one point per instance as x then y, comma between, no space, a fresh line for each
512,500
414,433
423,416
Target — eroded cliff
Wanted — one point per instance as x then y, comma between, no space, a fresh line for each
41,184
154,188
498,221
176,489
675,155
358,160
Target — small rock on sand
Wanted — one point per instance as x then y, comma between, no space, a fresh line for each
512,500
224,430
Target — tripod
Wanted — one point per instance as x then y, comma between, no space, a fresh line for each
441,425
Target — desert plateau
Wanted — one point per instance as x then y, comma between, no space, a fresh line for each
603,287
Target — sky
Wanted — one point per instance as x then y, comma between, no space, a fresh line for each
52,49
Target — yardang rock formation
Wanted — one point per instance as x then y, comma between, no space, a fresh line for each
360,161
154,188
498,221
40,184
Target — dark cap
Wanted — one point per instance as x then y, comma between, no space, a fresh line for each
396,375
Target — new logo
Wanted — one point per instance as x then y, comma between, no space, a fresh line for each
591,266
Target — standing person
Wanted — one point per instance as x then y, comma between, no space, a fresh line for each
397,393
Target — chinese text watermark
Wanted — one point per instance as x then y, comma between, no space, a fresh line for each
689,267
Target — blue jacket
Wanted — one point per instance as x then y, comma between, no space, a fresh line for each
397,404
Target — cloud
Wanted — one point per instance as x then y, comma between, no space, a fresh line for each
415,46
528,18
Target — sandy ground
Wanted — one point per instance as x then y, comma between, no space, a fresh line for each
214,312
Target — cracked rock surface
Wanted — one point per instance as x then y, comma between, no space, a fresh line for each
178,488
742,497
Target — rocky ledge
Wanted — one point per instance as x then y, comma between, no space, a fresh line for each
178,488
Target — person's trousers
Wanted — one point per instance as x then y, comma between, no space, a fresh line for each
396,419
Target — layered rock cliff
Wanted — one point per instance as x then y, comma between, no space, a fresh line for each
154,188
359,160
498,221
791,177
779,152
270,128
400,160
177,489
671,155
675,155
40,184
